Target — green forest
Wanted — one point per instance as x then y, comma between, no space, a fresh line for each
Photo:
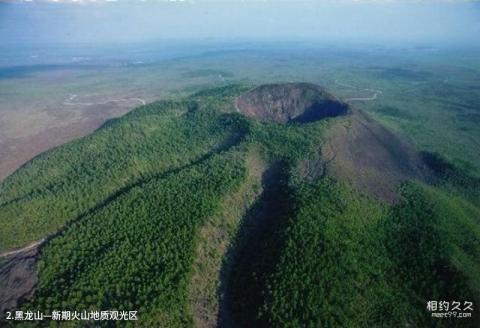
122,209
340,259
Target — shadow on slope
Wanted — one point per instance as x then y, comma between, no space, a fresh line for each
255,250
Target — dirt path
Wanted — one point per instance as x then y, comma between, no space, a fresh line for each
22,250
362,98
236,105
70,101
373,97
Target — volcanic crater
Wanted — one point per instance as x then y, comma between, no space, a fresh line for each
290,103
358,149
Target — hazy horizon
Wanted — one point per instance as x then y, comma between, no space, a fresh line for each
384,22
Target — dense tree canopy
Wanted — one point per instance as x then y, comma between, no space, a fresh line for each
124,207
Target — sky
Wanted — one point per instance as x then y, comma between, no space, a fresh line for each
118,21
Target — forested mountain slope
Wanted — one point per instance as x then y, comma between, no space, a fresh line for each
280,205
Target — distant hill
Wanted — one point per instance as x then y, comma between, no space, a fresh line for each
271,206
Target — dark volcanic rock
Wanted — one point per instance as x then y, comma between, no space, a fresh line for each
290,102
18,277
357,150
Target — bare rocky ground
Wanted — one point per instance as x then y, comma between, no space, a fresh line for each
18,276
289,102
370,157
357,149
